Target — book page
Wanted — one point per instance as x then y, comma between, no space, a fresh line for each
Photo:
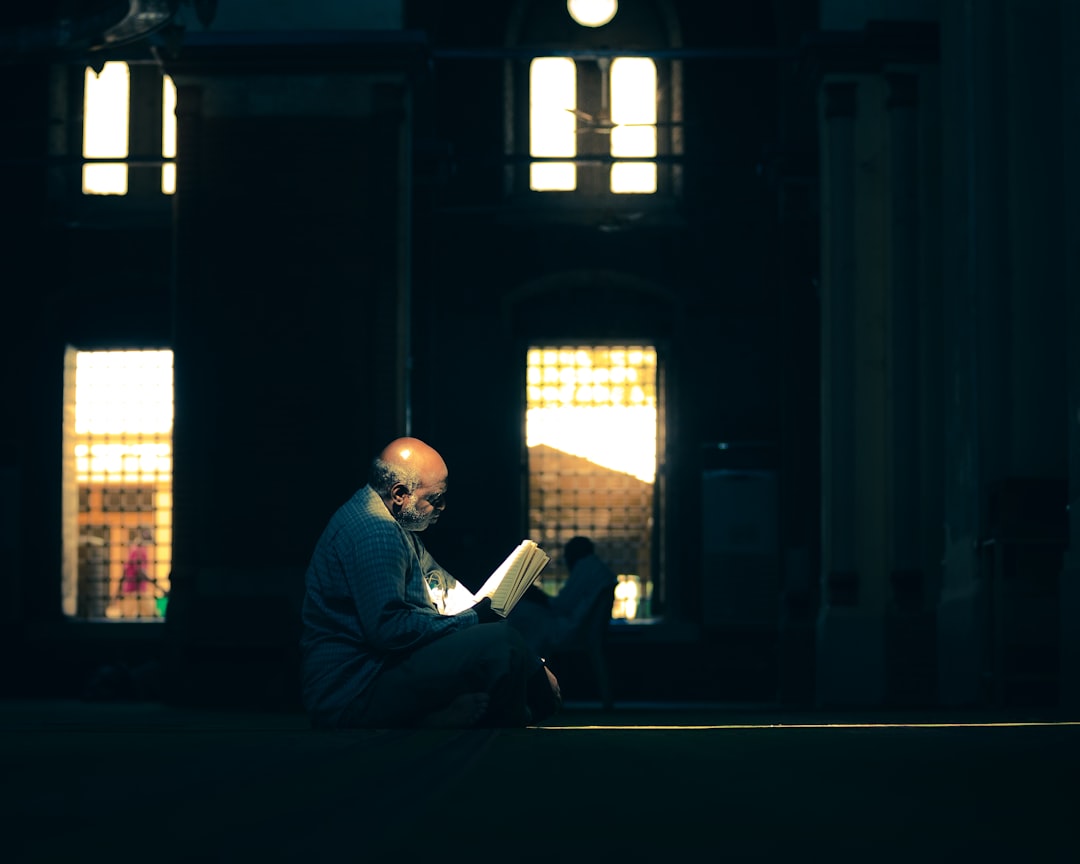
504,586
513,577
529,560
500,572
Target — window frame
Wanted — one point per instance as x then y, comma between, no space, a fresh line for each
144,204
75,605
592,193
665,612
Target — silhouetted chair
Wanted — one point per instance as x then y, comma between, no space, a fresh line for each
590,640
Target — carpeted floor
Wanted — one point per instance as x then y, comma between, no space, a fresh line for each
144,782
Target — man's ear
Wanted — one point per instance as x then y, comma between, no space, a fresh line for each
398,493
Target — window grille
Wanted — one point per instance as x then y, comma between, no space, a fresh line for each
117,484
591,433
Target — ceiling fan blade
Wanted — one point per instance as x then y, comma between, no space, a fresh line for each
581,115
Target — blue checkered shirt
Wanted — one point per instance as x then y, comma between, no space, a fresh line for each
366,600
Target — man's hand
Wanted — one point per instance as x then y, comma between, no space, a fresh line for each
486,614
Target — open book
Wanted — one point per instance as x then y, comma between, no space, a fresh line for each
513,577
506,585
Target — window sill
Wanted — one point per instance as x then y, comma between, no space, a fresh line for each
606,211
117,212
652,630
101,629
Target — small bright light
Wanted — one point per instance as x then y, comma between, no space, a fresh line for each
592,13
626,597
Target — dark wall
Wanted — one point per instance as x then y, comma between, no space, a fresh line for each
721,284
245,274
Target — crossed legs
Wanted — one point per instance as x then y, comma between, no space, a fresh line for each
479,676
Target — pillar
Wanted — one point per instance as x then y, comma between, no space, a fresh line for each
290,306
850,659
1069,627
909,638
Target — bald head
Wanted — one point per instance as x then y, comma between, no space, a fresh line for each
410,477
411,455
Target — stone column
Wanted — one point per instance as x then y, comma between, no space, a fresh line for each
1069,675
1026,524
838,345
849,639
974,365
903,338
908,639
290,305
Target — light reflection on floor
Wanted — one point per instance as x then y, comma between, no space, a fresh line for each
883,725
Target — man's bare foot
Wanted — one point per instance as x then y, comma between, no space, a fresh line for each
554,682
464,711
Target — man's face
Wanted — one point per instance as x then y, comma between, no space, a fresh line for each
422,507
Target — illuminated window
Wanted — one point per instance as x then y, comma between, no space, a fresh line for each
556,122
105,129
552,99
117,483
168,134
591,432
633,117
109,125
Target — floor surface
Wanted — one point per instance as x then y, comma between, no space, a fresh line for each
651,782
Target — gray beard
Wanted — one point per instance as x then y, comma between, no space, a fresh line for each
409,519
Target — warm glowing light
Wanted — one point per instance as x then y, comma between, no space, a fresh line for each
592,13
123,392
118,418
105,128
127,463
626,597
622,439
772,727
577,412
552,98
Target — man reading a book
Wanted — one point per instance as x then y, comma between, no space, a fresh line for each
376,650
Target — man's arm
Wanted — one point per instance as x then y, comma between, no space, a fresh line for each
386,581
457,598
